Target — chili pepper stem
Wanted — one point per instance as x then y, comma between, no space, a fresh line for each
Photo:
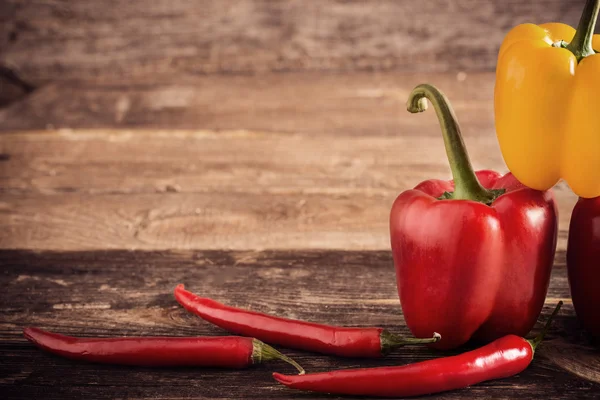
538,339
390,341
466,184
581,45
263,352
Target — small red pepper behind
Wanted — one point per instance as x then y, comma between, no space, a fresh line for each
218,351
473,257
583,263
502,358
294,334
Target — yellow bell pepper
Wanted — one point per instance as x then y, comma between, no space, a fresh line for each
547,104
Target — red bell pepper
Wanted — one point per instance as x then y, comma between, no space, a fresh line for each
583,253
473,256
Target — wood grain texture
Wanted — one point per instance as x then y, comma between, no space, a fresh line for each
115,293
345,104
94,162
149,41
212,190
278,161
198,127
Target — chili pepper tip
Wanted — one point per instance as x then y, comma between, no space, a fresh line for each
281,378
32,334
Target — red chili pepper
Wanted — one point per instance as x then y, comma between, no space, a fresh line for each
583,253
294,334
473,256
502,358
224,351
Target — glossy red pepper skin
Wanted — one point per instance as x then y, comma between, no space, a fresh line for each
219,351
295,334
469,270
230,351
473,255
583,263
502,358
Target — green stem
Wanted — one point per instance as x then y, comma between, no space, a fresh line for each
538,339
466,184
262,352
389,341
581,45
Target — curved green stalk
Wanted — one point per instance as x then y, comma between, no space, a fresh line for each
466,184
262,352
390,341
538,339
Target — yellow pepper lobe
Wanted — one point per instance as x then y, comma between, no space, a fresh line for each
581,161
557,31
547,109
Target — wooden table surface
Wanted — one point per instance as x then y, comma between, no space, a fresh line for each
257,164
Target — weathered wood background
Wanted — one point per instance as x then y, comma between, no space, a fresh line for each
250,149
149,40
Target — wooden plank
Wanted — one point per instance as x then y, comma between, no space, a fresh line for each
193,220
115,293
150,161
60,40
366,104
182,190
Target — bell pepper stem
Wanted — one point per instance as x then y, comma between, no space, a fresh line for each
538,339
581,45
466,184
